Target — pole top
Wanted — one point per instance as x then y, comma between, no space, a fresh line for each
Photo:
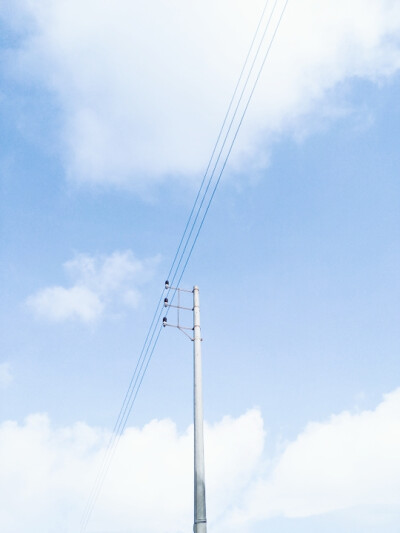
195,288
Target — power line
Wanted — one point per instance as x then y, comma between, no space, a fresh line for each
150,334
153,332
227,132
134,377
234,138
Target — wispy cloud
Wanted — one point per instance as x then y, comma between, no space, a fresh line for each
6,376
98,283
142,88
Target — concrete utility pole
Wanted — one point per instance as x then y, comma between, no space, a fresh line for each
200,519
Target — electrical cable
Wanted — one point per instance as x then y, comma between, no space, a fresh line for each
219,136
228,132
151,341
234,139
134,377
124,407
133,381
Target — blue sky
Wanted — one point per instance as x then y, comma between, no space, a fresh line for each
108,117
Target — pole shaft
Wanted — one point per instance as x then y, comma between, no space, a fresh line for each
200,520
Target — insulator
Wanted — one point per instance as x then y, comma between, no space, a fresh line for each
165,302
164,321
167,284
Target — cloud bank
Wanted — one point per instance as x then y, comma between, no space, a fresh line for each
349,460
99,283
142,87
49,473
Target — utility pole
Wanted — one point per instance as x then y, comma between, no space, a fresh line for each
200,520
200,517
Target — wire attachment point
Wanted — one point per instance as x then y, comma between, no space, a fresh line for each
178,308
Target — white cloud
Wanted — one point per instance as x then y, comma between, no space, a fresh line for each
58,303
143,86
352,460
349,461
49,472
98,283
6,376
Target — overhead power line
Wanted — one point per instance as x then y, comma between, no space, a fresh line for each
249,77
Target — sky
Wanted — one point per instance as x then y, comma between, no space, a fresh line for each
109,114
